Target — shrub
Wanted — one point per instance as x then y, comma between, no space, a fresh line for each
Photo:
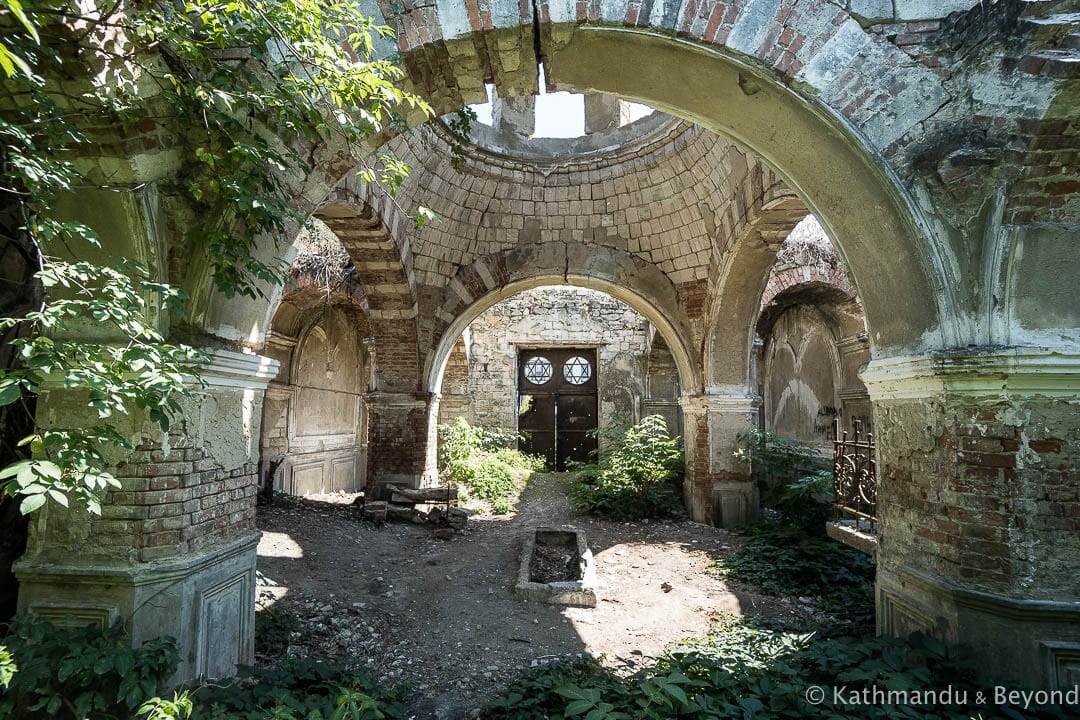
481,461
86,672
459,440
518,459
795,479
638,474
94,674
747,669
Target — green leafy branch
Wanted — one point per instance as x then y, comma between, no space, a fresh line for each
246,91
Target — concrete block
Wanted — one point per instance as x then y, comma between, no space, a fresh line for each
870,10
752,26
835,56
578,592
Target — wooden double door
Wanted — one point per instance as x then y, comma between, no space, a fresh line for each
557,403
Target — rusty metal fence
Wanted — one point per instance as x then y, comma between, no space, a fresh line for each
855,479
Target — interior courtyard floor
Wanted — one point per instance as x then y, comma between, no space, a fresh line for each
441,617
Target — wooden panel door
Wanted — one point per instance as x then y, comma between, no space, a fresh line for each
557,403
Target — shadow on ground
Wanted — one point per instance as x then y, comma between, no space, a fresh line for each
440,616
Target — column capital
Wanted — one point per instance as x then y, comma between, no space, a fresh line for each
982,373
720,403
403,400
230,369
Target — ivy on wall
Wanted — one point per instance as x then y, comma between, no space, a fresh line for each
242,92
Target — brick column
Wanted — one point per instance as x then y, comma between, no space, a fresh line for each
402,430
718,490
979,475
173,552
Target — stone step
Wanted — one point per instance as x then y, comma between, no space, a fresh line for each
1064,64
1072,41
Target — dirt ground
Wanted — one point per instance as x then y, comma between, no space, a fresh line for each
440,615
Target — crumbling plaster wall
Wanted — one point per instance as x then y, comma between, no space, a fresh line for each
313,437
813,342
557,316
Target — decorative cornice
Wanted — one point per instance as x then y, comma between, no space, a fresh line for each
997,373
228,369
34,569
285,342
853,343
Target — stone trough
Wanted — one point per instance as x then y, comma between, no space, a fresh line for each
557,568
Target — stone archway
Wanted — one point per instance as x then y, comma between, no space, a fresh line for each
943,195
621,275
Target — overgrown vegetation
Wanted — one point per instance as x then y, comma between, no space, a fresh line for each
747,669
76,673
794,479
239,93
301,689
274,628
786,561
79,672
483,464
638,473
789,554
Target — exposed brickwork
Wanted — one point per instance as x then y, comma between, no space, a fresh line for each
987,498
667,201
456,374
383,263
794,277
398,435
176,501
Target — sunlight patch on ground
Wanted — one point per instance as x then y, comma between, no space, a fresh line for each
661,582
275,544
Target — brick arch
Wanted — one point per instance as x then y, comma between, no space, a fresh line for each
795,278
495,277
799,83
372,232
741,273
307,296
830,298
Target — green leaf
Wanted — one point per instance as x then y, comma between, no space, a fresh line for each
31,503
10,391
14,469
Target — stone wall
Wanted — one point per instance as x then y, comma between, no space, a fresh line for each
557,316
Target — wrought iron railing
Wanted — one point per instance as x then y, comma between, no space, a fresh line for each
855,479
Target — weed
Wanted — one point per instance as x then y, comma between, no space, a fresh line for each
637,475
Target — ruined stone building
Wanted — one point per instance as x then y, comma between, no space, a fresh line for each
936,144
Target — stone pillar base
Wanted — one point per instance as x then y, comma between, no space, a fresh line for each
1033,642
205,601
978,513
718,490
